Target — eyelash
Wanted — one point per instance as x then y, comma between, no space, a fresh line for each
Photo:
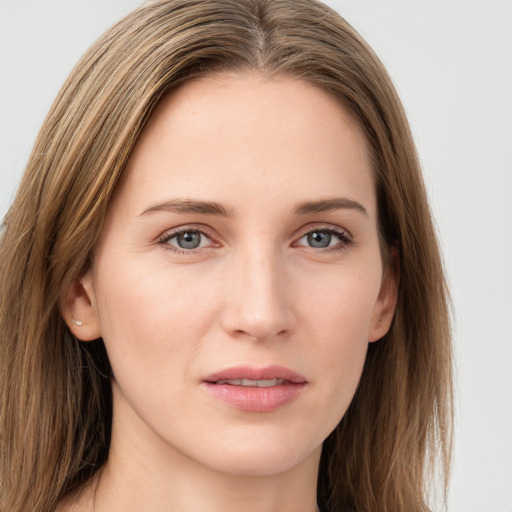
345,240
169,235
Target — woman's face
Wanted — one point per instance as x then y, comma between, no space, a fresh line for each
238,279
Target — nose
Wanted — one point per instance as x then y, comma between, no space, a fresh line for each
258,304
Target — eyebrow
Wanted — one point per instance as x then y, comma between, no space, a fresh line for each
212,208
329,205
188,206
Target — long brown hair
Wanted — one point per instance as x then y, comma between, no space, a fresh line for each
55,391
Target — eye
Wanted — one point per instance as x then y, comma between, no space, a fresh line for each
186,240
325,238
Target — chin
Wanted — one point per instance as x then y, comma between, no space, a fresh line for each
258,465
261,456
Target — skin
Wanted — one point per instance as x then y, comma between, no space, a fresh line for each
255,292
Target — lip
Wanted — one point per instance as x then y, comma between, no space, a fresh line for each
255,399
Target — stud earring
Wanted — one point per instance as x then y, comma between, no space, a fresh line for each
77,322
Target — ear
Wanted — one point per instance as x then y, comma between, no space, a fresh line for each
384,309
78,308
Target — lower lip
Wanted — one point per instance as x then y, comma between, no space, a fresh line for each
254,399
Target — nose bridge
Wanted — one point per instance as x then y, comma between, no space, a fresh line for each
258,304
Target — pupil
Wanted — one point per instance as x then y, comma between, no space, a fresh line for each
319,239
189,240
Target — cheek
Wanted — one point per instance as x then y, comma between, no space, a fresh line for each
150,321
339,320
343,350
341,304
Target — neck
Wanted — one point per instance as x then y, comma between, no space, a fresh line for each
144,472
190,492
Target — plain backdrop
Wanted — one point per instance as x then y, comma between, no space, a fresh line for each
451,61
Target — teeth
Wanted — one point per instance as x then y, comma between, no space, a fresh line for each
252,383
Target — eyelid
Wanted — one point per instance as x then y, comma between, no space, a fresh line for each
196,228
343,234
332,228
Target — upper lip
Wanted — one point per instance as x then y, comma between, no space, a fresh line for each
252,373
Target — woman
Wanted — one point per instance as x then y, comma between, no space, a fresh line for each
220,283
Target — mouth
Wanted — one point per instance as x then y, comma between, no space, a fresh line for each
248,383
255,389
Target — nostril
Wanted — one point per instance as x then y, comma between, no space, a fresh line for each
261,336
242,333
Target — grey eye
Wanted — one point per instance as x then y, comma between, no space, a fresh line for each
183,240
188,239
319,239
324,238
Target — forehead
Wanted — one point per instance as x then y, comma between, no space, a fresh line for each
274,136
